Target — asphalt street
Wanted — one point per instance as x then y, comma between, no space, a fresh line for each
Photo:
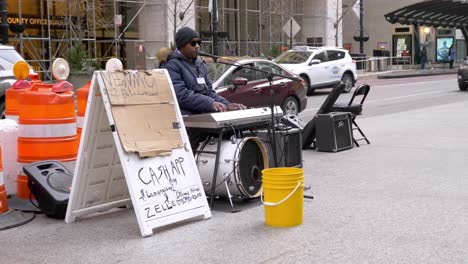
395,95
401,199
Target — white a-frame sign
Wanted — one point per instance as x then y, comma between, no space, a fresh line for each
134,150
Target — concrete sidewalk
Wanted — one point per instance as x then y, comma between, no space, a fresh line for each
402,199
365,75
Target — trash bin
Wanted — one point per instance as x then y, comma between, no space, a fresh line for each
383,63
373,64
360,61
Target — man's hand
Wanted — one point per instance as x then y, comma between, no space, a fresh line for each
219,107
231,107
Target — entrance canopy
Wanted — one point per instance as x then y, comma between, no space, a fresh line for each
433,13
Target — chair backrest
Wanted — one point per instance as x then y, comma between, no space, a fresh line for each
362,90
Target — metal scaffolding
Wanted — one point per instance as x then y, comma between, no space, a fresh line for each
251,27
91,23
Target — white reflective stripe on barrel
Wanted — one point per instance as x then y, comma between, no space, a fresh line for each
2,181
79,121
12,117
46,131
70,165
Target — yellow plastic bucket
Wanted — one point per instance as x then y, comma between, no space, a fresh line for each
283,199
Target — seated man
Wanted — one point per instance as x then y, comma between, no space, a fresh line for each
193,88
189,76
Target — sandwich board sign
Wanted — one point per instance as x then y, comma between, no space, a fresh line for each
134,151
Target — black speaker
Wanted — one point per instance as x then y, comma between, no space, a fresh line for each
288,147
50,183
334,132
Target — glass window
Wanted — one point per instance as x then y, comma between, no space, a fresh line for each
252,4
335,55
230,4
320,56
269,67
216,70
293,57
230,24
202,2
249,74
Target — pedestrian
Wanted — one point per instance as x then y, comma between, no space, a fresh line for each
162,55
193,88
451,56
423,58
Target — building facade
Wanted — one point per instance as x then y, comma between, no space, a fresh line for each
133,30
402,42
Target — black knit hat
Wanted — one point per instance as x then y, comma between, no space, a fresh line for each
184,36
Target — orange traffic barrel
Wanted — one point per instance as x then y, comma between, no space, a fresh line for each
3,193
21,71
82,98
46,130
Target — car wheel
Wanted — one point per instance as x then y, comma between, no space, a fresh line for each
309,89
347,79
290,106
462,87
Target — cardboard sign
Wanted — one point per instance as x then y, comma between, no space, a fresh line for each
144,110
163,189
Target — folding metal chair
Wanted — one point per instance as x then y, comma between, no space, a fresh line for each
355,109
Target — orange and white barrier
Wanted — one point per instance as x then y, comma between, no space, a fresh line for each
82,98
3,193
47,130
8,141
21,71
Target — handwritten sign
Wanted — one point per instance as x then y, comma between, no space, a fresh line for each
165,186
137,87
144,110
163,189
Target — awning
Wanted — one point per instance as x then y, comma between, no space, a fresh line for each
433,13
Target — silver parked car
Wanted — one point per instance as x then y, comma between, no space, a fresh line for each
8,58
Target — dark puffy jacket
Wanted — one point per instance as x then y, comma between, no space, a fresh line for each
193,98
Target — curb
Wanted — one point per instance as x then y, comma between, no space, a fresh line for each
413,75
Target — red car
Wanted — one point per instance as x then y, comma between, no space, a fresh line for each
251,88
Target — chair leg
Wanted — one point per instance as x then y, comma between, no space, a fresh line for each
360,131
355,142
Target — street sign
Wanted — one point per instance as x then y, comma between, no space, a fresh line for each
356,9
291,28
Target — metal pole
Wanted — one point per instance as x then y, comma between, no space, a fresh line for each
290,34
361,26
214,21
116,28
4,25
20,16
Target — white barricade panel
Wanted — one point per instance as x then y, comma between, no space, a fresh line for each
164,187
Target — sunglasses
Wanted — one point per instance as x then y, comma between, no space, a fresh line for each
194,43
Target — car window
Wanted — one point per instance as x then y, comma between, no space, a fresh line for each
268,67
216,70
293,57
335,55
249,74
320,56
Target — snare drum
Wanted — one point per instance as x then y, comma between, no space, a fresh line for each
241,163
